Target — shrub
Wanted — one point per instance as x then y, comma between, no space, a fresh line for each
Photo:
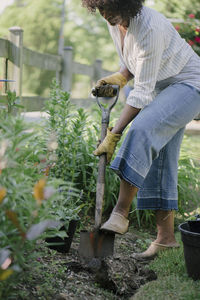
19,208
190,31
30,202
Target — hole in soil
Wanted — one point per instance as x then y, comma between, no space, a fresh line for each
122,276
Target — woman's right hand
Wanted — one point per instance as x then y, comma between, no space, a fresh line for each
114,79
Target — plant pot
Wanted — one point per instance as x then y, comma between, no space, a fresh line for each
63,244
194,226
190,235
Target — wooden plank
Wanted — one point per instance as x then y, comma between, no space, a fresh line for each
105,73
3,48
88,70
42,61
83,69
16,52
84,103
67,69
34,103
37,103
13,53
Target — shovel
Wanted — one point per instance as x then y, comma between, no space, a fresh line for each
97,243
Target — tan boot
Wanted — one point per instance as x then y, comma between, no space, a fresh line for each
116,223
153,250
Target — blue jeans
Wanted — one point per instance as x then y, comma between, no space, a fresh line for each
148,157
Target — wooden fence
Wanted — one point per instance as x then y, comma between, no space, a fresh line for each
15,55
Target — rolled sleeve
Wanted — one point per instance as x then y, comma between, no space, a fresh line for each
148,62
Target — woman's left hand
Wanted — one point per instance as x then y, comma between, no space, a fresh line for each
108,145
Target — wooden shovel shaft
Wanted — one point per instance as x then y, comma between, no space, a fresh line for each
100,181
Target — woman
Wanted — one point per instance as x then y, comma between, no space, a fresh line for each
166,96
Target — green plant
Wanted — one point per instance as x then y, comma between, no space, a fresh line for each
12,102
75,139
143,218
188,180
28,199
16,182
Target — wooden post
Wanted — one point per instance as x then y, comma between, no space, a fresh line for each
16,54
5,73
97,70
67,70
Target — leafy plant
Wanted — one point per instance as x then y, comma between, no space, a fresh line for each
188,180
12,102
75,139
18,206
30,201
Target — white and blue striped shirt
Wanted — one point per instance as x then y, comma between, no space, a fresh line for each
154,53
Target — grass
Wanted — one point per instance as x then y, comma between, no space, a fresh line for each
191,143
173,281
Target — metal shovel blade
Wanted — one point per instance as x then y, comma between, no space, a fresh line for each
96,244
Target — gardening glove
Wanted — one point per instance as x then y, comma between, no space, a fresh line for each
114,79
108,145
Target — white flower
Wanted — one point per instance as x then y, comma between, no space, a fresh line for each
52,143
48,192
3,146
3,163
6,263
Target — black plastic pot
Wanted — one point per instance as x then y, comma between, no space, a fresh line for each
63,244
190,235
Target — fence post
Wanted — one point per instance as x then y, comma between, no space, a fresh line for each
16,54
5,73
97,70
67,69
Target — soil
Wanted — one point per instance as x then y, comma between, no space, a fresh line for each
115,277
59,276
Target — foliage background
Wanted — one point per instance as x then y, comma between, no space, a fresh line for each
86,33
41,21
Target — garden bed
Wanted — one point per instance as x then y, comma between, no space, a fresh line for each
52,275
63,276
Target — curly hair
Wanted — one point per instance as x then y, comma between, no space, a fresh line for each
125,8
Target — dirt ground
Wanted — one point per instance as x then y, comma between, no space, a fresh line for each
59,276
116,277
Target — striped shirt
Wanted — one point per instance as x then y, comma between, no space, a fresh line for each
156,55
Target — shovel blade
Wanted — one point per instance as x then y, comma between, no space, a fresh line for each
96,244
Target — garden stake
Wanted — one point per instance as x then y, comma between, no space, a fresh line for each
97,243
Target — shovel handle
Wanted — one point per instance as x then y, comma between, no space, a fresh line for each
102,160
100,181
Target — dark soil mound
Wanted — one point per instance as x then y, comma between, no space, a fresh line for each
120,275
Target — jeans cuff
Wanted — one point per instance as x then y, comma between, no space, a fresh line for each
122,169
155,204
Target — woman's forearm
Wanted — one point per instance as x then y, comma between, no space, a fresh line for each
127,115
129,112
126,73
